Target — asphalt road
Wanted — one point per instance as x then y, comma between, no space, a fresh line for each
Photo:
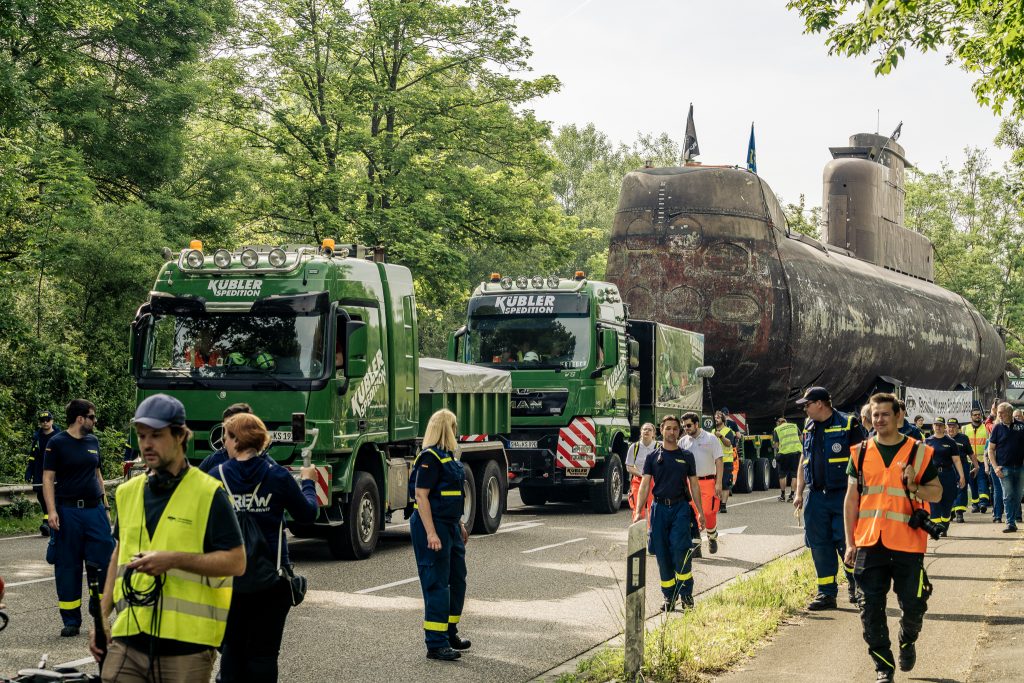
547,587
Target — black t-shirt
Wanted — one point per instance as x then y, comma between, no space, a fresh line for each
946,449
888,454
74,463
671,470
1009,441
965,445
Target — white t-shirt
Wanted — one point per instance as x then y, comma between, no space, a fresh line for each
706,448
637,453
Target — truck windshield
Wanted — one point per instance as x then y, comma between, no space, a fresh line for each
239,346
529,342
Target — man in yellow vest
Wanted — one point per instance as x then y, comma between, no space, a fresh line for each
977,432
786,439
729,439
178,545
890,476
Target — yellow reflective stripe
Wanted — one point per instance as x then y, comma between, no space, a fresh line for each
897,516
668,584
684,577
451,493
920,584
888,663
835,429
846,459
435,626
870,490
454,619
826,580
806,460
444,460
71,604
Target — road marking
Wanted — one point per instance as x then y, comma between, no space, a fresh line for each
748,502
553,545
509,529
387,585
15,538
734,530
78,662
25,583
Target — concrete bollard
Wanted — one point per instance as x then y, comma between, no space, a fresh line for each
636,600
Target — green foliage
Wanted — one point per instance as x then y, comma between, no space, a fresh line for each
985,37
802,219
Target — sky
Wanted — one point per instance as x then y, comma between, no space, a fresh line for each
632,66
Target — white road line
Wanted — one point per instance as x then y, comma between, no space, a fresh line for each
15,538
387,585
748,502
509,529
553,545
25,583
78,662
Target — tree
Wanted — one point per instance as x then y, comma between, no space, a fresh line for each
985,37
802,219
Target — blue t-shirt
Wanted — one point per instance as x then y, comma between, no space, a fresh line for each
671,471
945,449
74,463
1009,441
210,462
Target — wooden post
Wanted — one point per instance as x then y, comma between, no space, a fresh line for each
636,601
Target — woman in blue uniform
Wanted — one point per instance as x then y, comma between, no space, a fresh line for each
439,537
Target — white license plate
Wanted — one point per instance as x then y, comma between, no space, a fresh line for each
577,471
522,444
281,436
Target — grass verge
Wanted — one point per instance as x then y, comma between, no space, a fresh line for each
718,632
16,520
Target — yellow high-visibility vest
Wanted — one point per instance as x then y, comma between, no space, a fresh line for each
978,436
192,608
727,450
788,437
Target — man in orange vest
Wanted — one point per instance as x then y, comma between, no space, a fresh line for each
890,477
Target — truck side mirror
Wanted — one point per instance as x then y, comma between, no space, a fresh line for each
454,350
355,349
634,354
137,360
298,427
610,347
704,372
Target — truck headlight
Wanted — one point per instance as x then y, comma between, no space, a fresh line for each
250,258
553,281
222,257
522,282
537,282
195,259
506,282
277,257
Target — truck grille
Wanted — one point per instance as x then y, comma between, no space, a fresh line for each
528,403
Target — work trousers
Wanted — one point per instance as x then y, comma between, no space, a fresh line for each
252,640
442,579
960,501
38,490
84,536
125,664
825,536
942,508
709,504
905,574
670,540
980,486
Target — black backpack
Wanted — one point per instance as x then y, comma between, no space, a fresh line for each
260,568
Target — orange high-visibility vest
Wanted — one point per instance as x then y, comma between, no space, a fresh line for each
884,507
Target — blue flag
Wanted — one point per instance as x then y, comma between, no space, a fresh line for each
751,152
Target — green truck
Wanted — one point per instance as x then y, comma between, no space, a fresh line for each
584,378
322,343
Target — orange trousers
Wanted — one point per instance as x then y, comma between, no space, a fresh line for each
634,492
710,504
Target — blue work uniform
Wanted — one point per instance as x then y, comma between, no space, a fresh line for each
826,453
946,449
84,533
910,429
961,499
442,572
34,466
670,519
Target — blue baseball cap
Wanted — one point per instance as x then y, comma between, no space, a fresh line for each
814,394
159,411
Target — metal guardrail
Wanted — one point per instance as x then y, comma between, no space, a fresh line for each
9,493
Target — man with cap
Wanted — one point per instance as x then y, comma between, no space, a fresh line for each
821,489
968,463
77,506
946,459
34,467
178,545
977,433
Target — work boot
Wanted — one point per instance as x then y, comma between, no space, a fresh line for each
713,545
975,508
782,497
851,591
884,676
668,605
983,509
445,654
723,509
997,520
822,602
458,643
1010,528
696,551
908,656
686,602
69,632
960,517
44,530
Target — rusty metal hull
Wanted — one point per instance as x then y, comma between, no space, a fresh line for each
706,249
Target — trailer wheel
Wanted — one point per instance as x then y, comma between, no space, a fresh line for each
744,476
533,495
491,493
606,498
357,537
762,474
469,499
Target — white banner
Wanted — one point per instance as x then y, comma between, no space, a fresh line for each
932,404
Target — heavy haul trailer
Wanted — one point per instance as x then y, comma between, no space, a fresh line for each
332,340
583,376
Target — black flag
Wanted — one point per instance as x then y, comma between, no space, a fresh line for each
690,147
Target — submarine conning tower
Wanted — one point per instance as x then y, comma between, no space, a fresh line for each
862,205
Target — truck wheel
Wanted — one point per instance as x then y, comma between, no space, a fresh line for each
533,496
605,498
357,537
762,474
469,498
491,493
744,476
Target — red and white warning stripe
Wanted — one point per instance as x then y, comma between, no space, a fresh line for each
473,438
577,443
741,421
322,483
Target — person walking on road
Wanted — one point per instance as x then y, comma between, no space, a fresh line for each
707,457
439,536
968,463
729,439
821,488
76,502
34,467
1006,456
946,459
981,483
636,456
170,576
674,476
786,440
889,475
265,490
